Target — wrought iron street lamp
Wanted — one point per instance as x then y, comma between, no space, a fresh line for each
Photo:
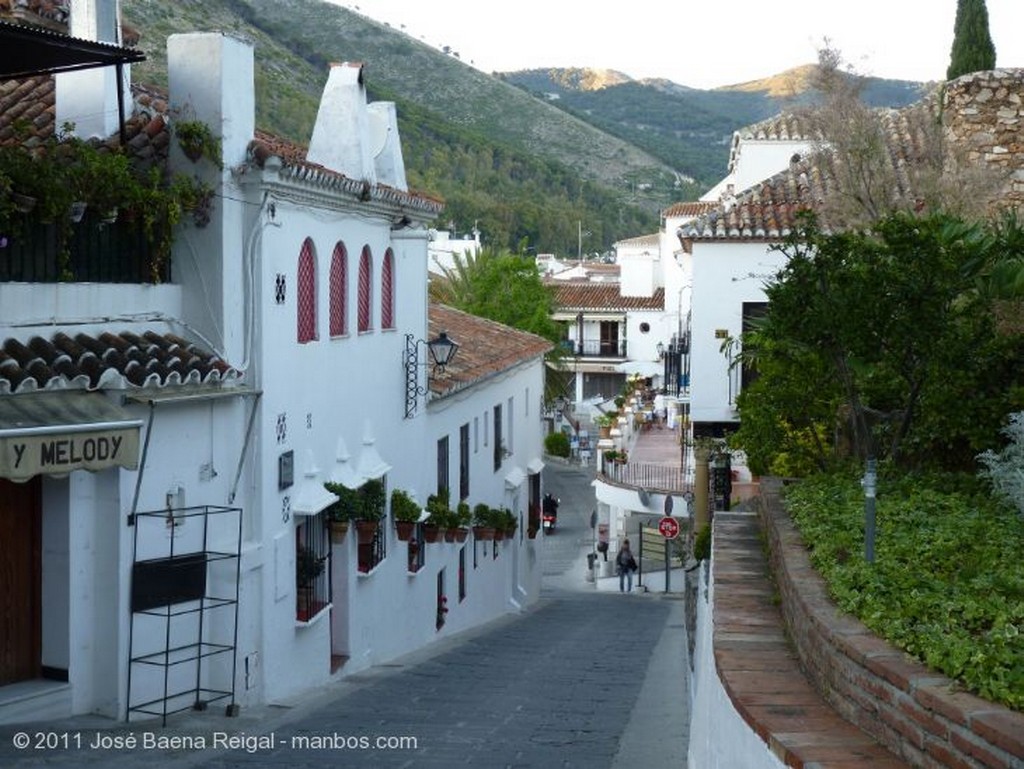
442,349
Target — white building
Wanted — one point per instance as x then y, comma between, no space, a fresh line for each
275,358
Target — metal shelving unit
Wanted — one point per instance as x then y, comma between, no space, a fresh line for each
172,600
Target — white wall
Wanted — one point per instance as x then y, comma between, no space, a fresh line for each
755,161
719,737
725,275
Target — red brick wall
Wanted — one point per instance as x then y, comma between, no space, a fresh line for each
916,712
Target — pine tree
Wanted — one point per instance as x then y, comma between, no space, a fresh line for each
973,50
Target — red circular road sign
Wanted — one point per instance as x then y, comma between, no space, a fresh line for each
669,527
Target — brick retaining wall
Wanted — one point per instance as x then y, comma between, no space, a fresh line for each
916,712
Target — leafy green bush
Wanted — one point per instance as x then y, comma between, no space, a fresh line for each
947,585
556,444
702,543
1005,469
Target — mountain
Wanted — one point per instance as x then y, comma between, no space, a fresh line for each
531,158
689,128
517,167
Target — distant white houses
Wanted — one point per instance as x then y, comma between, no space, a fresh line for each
164,446
443,248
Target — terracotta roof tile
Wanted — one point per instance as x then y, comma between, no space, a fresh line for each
768,210
689,208
579,296
486,348
119,361
640,241
293,157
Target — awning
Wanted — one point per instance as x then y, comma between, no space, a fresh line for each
34,51
311,497
58,432
514,479
645,368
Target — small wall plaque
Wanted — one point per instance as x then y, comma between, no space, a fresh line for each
285,470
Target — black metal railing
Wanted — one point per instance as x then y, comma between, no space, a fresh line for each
89,251
594,348
645,475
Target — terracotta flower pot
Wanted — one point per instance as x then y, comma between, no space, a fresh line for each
432,532
461,534
366,530
405,529
338,531
483,533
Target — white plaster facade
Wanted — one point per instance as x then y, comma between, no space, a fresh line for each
237,289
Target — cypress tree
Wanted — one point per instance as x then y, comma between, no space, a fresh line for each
973,50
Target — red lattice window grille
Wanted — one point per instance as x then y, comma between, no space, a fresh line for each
339,291
387,291
306,294
365,289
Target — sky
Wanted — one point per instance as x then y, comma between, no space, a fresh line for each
695,42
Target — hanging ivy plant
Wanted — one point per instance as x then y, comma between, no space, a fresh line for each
197,141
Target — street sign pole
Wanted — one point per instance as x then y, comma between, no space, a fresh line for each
669,529
668,571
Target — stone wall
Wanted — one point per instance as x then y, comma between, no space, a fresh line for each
984,115
919,714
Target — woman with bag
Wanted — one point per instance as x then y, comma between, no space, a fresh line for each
625,563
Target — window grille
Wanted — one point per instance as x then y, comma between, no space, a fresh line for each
312,568
387,291
306,293
365,289
339,291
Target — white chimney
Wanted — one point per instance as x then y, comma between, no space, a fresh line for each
387,146
341,135
88,98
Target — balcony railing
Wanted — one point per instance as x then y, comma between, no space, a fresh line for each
648,476
96,253
594,348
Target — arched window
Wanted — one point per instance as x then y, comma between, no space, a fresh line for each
387,291
306,294
365,289
339,291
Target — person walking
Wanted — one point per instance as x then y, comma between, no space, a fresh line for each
625,563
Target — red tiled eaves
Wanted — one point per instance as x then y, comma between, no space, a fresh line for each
486,348
768,210
116,361
689,208
650,240
295,166
573,296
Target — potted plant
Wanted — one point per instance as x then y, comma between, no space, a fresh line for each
462,518
307,569
197,141
406,513
438,517
509,522
340,514
483,522
369,510
605,422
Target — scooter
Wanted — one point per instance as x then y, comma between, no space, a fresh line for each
549,510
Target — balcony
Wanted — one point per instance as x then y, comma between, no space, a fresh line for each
95,252
594,348
656,463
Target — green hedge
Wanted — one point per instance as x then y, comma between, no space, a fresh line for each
947,585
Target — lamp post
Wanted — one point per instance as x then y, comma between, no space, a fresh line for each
442,349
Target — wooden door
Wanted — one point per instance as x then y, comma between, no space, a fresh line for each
20,569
